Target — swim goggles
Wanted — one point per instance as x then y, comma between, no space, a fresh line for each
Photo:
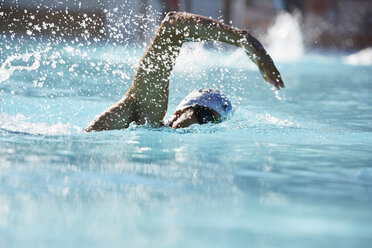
204,114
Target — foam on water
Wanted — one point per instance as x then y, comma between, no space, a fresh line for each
21,124
269,119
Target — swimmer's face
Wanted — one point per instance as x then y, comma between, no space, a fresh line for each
185,118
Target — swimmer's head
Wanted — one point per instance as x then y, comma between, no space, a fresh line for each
200,106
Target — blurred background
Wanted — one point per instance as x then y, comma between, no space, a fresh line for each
333,24
289,168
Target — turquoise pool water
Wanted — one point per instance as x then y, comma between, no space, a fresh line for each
292,169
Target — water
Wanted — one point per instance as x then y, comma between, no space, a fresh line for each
285,38
287,169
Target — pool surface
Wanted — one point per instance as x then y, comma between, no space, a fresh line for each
287,169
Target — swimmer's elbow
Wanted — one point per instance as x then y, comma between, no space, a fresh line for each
175,17
170,17
97,126
111,119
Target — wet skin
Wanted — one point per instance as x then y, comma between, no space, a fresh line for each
185,118
146,101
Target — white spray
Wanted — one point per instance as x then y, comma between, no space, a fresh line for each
284,38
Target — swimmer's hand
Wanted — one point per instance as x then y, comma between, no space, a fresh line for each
262,59
270,73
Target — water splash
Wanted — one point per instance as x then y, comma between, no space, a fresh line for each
284,38
363,57
271,120
194,56
239,59
7,68
21,124
279,95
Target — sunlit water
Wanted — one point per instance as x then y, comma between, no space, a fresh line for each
287,169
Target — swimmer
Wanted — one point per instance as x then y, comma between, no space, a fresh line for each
146,101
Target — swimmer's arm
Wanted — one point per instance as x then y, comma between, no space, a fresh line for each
118,116
147,99
262,59
198,28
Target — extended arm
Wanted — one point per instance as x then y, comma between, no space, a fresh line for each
147,98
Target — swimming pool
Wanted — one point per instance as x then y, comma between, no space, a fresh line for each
286,169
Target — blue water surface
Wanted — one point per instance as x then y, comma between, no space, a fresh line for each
287,169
